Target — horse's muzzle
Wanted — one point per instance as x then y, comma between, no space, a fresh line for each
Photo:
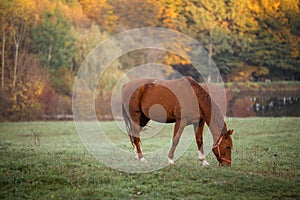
224,163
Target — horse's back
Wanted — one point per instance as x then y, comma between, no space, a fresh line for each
153,87
168,99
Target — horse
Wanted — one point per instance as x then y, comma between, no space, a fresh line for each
181,101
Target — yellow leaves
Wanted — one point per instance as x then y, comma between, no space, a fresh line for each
169,18
23,9
171,59
94,8
25,97
269,7
254,6
291,5
75,15
276,5
182,58
38,88
242,71
170,12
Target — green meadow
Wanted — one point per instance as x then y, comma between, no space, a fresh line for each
46,160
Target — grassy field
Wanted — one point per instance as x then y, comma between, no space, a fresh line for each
46,160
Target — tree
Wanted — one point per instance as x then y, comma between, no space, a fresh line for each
15,23
274,45
135,13
53,41
5,11
101,12
206,22
86,40
170,13
20,24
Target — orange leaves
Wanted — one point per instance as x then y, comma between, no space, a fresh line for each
24,101
169,16
99,11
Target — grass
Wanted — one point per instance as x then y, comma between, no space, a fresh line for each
46,160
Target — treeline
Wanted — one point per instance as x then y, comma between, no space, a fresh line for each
44,42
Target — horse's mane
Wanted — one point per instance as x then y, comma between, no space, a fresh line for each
212,114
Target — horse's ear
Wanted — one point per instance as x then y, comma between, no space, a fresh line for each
230,132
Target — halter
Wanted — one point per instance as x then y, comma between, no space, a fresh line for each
219,156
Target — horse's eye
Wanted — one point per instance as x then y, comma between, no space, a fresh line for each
228,147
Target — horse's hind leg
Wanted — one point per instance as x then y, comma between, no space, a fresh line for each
138,149
178,129
140,122
198,128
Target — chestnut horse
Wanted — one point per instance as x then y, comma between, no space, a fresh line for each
183,102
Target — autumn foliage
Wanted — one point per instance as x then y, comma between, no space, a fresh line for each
44,42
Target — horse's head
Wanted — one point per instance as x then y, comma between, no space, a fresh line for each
222,149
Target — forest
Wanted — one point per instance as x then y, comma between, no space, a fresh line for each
44,42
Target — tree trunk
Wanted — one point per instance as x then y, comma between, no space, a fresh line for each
3,57
49,59
18,36
209,56
16,63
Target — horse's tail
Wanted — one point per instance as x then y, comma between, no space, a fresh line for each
128,124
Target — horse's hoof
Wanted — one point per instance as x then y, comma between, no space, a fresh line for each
142,159
205,163
170,161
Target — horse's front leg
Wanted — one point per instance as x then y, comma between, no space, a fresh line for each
178,129
198,129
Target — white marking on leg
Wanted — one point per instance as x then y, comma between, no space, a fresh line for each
136,155
170,161
202,158
205,163
143,160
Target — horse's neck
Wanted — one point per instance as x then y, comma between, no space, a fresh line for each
212,114
217,130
